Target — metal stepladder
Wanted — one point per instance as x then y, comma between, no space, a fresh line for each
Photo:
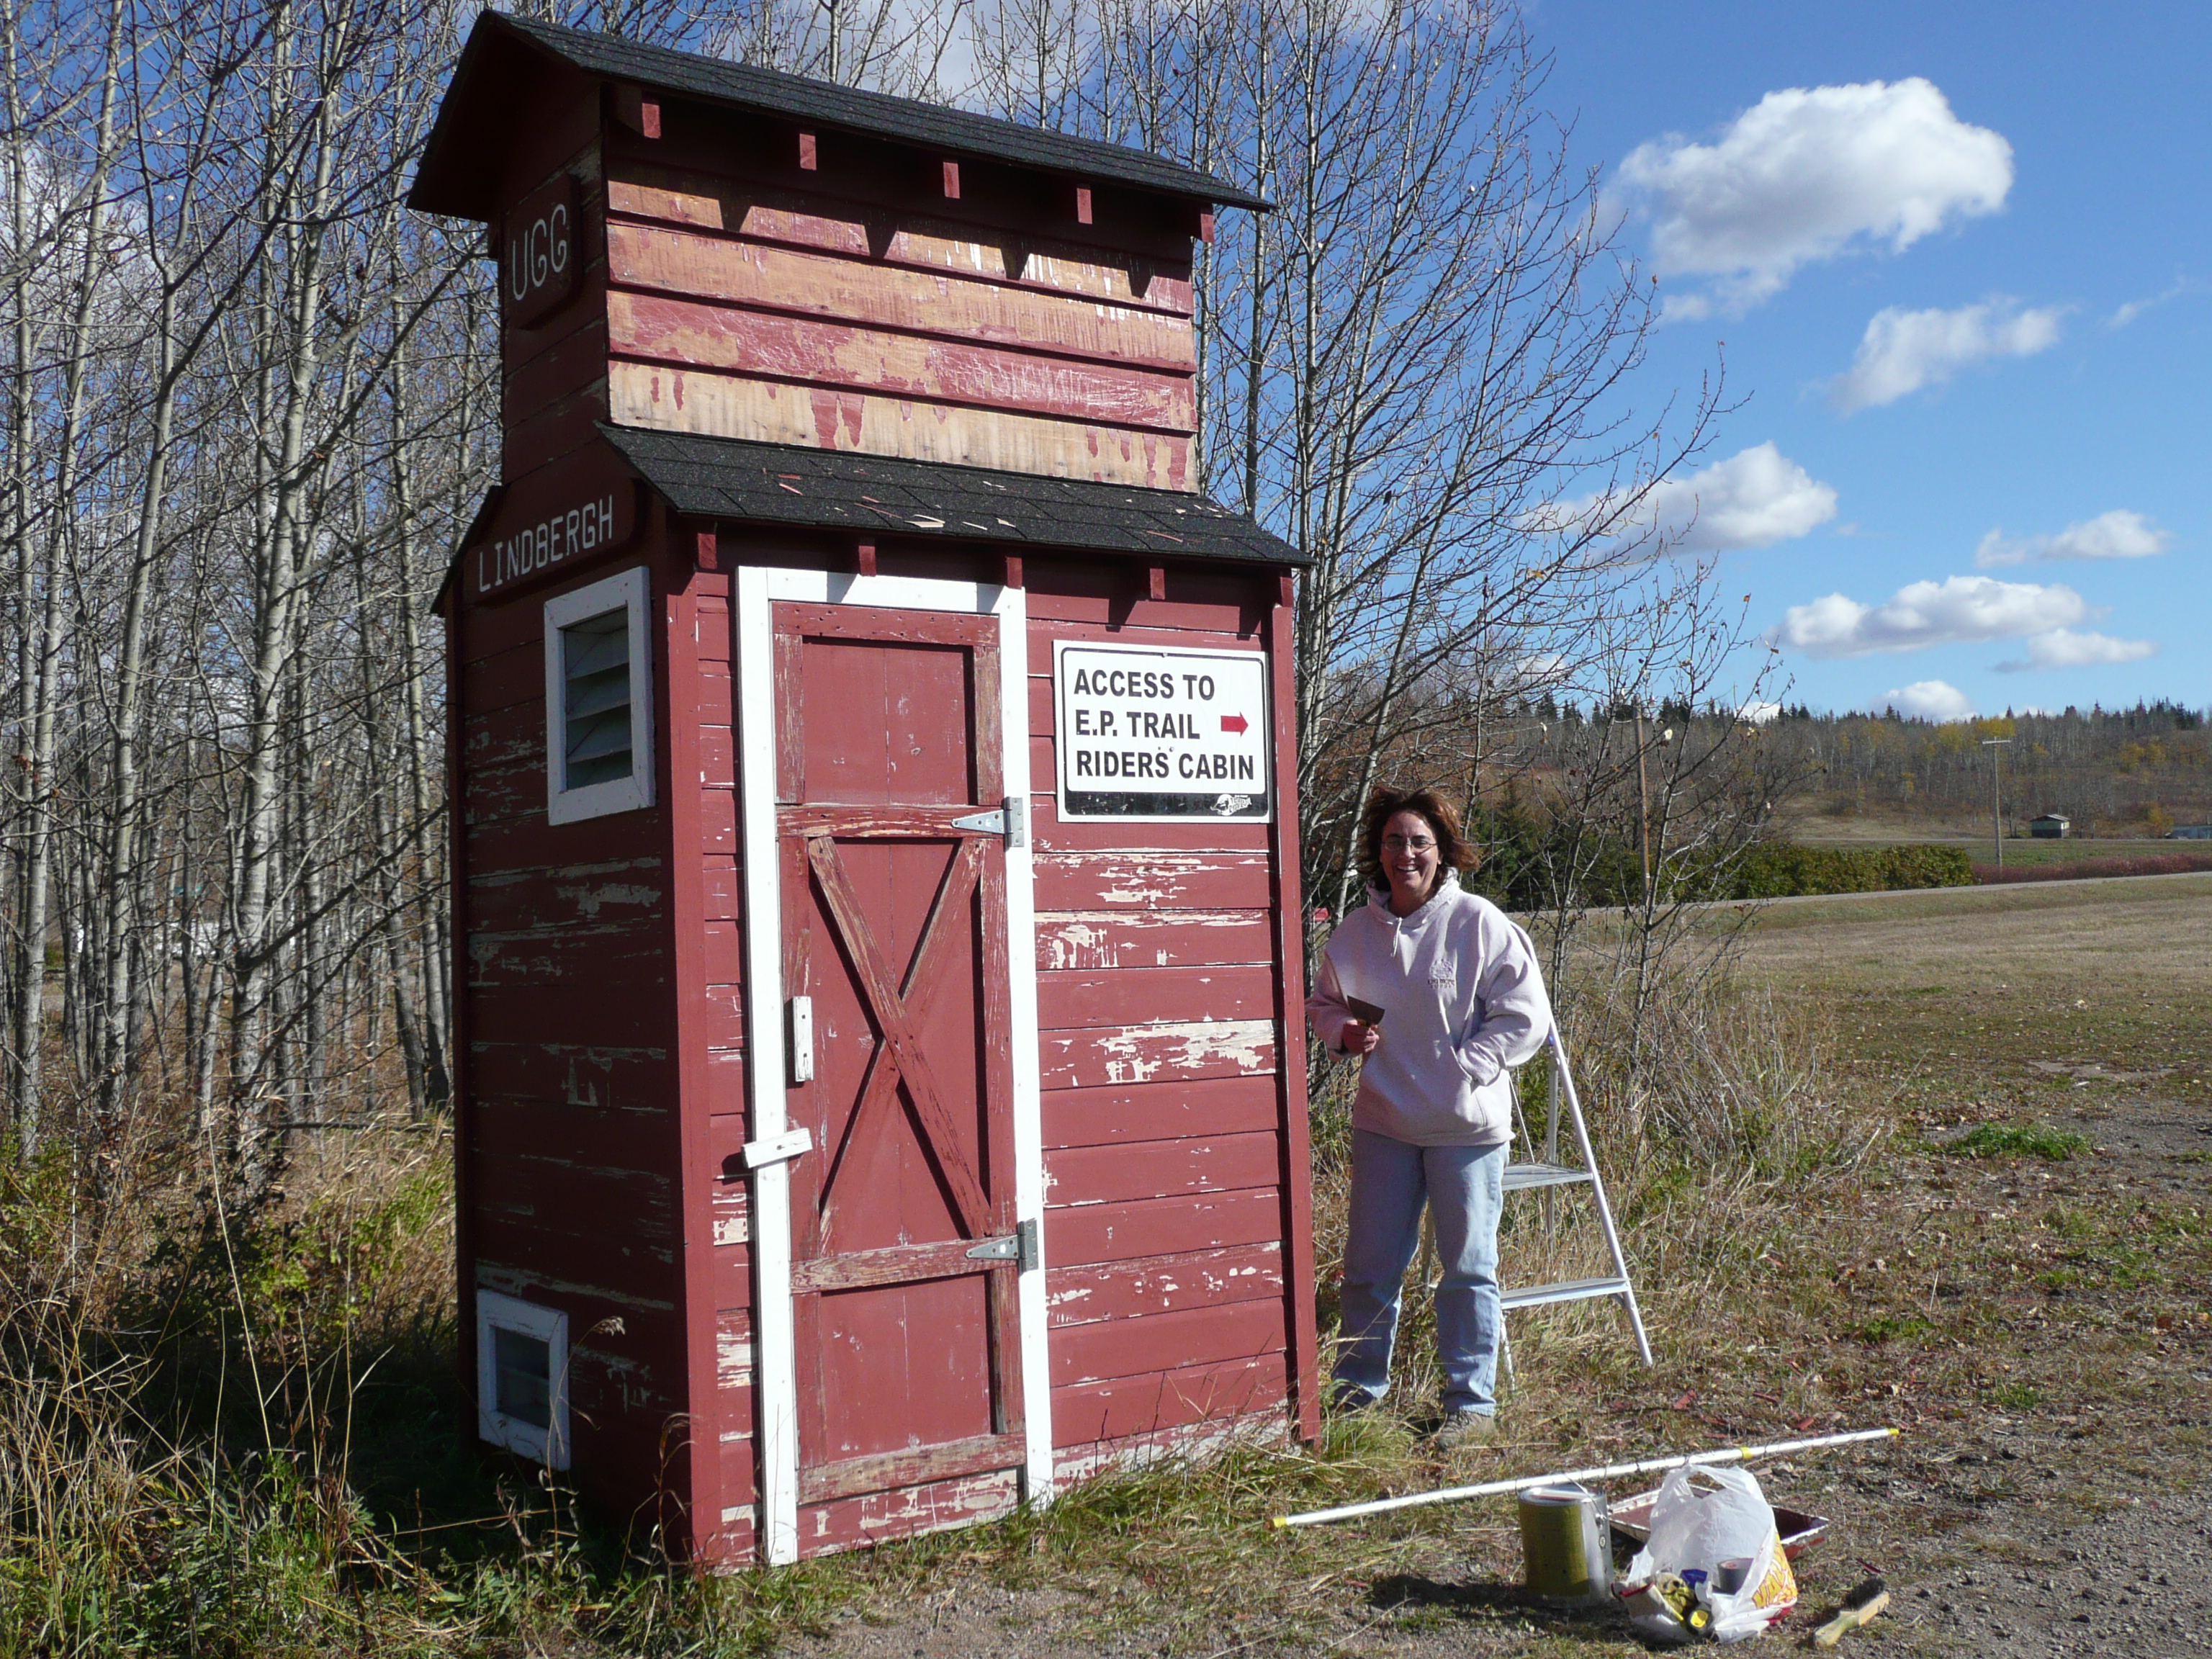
1546,1175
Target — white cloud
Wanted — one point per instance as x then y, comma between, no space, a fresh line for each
1929,700
2062,647
1758,712
1904,350
2119,534
1806,174
1753,499
2134,308
1922,614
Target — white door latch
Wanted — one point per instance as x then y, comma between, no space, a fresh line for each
775,1149
802,1040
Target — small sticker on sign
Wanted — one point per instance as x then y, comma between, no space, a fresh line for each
1161,734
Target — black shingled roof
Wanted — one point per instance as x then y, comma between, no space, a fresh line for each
732,479
954,133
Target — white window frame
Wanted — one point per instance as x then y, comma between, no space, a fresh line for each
548,1445
629,591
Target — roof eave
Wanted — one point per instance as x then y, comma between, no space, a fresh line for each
443,182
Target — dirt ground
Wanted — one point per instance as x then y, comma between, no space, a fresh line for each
2035,1322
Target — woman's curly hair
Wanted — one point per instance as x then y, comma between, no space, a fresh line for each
1453,850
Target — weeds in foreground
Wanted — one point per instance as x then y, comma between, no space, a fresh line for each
253,1443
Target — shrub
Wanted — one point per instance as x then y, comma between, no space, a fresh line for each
1781,869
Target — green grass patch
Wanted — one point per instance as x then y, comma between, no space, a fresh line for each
2020,1141
2016,1396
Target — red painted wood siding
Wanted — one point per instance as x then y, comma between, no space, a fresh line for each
1161,1050
569,1138
554,375
723,1035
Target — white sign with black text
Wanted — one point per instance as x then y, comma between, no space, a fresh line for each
1150,734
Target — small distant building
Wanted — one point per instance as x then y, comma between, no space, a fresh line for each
2051,826
2190,832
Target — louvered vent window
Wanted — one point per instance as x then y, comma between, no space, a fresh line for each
599,698
595,660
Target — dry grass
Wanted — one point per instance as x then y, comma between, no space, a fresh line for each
1841,1195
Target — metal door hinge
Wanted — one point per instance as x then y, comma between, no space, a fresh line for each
774,1149
1020,1246
1006,821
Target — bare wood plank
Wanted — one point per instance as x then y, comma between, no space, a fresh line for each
852,1522
834,352
894,1264
932,301
929,823
1150,879
1110,940
889,1471
1158,1169
829,418
1139,1054
701,202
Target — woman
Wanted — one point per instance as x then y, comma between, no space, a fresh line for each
1462,1001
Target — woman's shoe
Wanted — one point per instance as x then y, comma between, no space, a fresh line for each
1464,1428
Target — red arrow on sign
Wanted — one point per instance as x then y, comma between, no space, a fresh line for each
1233,723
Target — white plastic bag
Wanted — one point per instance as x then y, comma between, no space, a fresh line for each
1707,1515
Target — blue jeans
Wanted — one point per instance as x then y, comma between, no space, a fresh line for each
1465,1187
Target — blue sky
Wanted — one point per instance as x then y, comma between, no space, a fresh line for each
1961,259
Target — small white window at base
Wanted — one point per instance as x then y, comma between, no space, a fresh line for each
522,1377
598,700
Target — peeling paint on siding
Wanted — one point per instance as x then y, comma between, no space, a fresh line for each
1139,1054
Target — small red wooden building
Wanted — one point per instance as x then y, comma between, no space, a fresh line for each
874,849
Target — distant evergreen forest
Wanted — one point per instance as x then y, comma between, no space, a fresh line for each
2115,772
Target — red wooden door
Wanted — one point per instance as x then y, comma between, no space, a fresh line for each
908,1365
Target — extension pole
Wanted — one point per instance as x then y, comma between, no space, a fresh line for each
1610,1471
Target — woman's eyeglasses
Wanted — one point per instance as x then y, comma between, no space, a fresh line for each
1401,844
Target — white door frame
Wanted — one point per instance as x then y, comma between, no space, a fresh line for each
758,588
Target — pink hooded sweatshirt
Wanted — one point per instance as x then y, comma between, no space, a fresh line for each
1463,1002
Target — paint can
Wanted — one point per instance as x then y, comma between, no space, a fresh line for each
1566,1543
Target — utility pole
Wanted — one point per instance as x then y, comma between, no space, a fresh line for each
1996,794
1644,807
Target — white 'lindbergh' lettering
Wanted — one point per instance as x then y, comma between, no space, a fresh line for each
579,530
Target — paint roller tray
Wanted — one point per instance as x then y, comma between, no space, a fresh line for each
1632,1518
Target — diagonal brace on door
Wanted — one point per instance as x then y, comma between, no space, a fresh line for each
898,1056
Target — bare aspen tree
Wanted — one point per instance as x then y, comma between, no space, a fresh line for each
1427,343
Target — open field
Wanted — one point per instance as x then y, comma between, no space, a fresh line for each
2031,851
1935,1160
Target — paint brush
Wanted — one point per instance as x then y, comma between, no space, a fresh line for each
1860,1607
